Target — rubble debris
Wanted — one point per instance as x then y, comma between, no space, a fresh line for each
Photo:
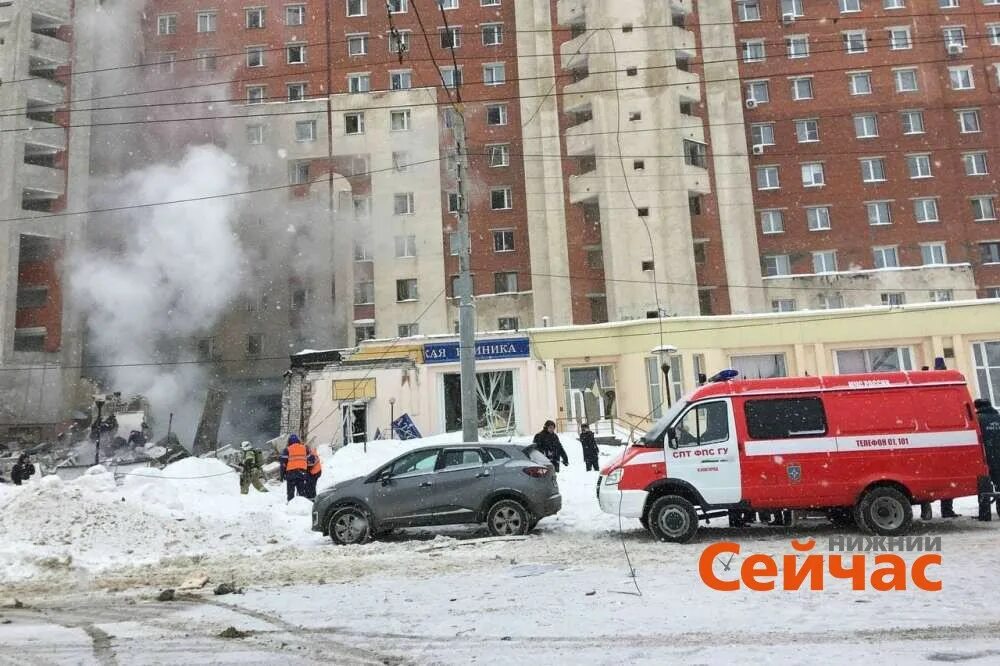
195,582
233,632
166,595
226,588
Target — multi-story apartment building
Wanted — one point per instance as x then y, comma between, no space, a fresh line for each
43,168
873,131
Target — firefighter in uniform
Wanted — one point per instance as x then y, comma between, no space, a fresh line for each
313,473
295,460
251,469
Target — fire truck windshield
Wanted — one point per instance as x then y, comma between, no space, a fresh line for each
657,432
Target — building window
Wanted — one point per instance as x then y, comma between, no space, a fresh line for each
855,41
507,324
797,46
165,63
255,56
255,135
948,4
802,88
296,54
866,126
408,330
354,123
859,361
807,131
492,34
879,213
912,122
968,121
406,290
783,305
695,154
501,198
400,161
792,8
918,166
991,292
860,83
299,172
166,24
399,42
362,252
494,74
818,218
975,164
396,6
295,15
893,4
986,356
451,76
296,92
207,21
364,332
255,94
503,240
759,366
748,10
825,261
758,92
762,134
505,283
359,83
362,205
767,178
925,210
906,80
993,31
899,39
954,37
850,6
496,114
406,246
402,80
255,345
454,202
813,175
357,7
402,203
893,298
595,257
961,78
450,37
357,45
753,50
983,209
399,120
207,61
886,256
498,155
873,170
989,252
255,17
207,349
305,130
830,301
777,264
772,221
933,254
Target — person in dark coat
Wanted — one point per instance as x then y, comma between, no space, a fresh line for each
23,470
989,425
590,450
547,441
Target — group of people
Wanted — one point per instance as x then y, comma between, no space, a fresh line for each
547,442
301,468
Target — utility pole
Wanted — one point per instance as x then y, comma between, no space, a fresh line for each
466,304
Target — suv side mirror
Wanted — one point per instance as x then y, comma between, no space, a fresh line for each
385,477
672,437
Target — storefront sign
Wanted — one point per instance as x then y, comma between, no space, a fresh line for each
447,352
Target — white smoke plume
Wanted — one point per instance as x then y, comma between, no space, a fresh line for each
168,283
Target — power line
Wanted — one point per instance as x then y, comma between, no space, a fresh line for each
824,20
14,112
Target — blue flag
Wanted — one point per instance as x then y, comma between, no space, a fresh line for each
405,428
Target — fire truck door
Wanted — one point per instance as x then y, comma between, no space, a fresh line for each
704,451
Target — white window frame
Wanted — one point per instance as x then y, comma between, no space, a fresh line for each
494,31
405,246
748,10
166,25
753,50
954,35
807,130
900,38
502,111
911,114
396,6
762,134
902,79
255,135
883,213
289,49
780,263
258,52
981,212
969,114
797,46
752,87
783,305
256,94
868,169
918,166
354,40
498,155
308,136
854,77
796,91
768,169
884,252
772,221
360,116
359,82
403,203
818,221
363,7
849,6
508,198
921,209
961,77
491,71
824,261
398,78
295,92
852,45
975,163
865,125
206,22
400,120
258,11
297,14
503,235
934,254
813,174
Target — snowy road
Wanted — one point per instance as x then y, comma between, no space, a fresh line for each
563,595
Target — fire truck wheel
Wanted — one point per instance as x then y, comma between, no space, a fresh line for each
885,511
841,516
673,518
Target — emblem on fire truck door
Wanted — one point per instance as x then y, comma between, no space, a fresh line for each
794,473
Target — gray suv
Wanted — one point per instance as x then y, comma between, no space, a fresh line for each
508,487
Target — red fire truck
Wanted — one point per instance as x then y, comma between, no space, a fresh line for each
864,448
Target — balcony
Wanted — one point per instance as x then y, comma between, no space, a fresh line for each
41,134
41,91
42,182
580,139
49,15
50,49
571,12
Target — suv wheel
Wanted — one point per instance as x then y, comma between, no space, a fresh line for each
673,518
507,517
885,511
349,525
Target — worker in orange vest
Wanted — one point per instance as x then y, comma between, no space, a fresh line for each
314,471
295,461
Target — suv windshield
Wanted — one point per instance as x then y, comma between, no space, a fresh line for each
655,435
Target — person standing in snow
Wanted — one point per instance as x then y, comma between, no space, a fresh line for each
548,443
251,466
590,450
22,470
313,471
295,460
989,425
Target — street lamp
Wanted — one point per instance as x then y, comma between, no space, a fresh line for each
392,417
99,401
663,351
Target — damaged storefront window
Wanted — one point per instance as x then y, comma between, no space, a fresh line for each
494,399
590,394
